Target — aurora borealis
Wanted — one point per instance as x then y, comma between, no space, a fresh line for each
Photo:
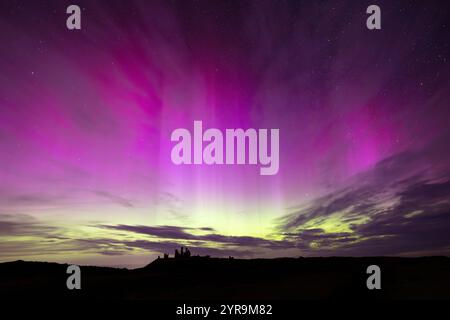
86,117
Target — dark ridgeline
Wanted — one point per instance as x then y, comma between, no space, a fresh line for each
188,277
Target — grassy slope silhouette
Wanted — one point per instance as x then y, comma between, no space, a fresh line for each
216,278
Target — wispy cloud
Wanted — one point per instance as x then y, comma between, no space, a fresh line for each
399,207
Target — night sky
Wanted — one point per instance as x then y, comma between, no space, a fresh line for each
86,117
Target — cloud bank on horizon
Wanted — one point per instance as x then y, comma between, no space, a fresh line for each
86,117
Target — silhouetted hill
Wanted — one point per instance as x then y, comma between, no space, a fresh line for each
215,278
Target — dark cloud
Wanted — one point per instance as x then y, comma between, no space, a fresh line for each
399,207
31,199
47,240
